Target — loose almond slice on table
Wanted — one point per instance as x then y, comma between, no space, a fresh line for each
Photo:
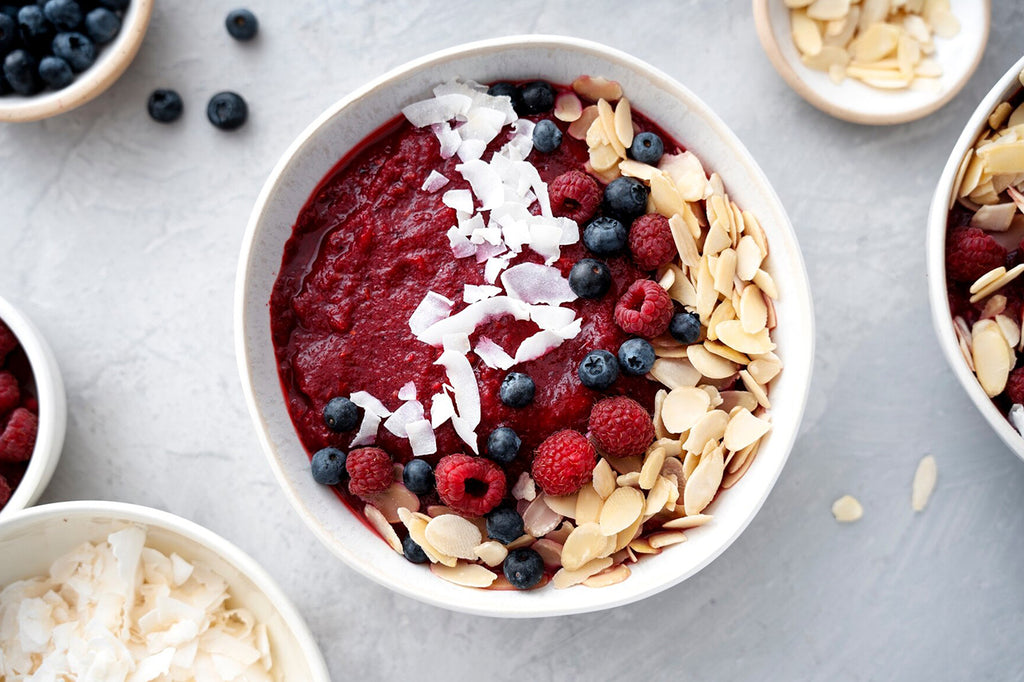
453,535
684,407
703,483
584,544
993,357
381,525
924,483
847,509
467,575
567,578
622,508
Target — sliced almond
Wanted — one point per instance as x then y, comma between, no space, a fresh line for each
416,524
675,373
665,196
567,578
732,334
703,483
597,87
642,546
685,522
725,272
584,544
606,115
604,480
666,538
588,505
624,123
467,575
658,498
744,429
924,483
1009,328
987,279
550,552
382,526
453,535
525,488
708,364
724,312
756,389
395,497
563,505
491,552
763,371
568,107
753,312
710,427
578,128
625,465
622,508
539,519
561,533
684,407
748,456
806,34
689,254
608,577
876,42
628,480
993,357
651,468
723,351
766,284
847,509
748,258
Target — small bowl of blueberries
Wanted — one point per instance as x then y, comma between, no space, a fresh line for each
56,55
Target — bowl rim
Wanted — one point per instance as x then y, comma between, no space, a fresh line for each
192,531
52,409
942,319
534,41
770,43
91,83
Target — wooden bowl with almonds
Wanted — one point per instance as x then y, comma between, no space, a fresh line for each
876,62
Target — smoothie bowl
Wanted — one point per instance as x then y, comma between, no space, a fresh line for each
526,330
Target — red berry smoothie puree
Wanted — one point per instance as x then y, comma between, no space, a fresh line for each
367,248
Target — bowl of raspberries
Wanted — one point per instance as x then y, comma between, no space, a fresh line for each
33,411
56,55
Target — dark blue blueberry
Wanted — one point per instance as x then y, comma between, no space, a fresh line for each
546,136
8,34
418,477
523,568
55,72
599,370
21,71
328,466
503,445
165,106
76,49
605,236
242,24
636,356
65,15
227,110
538,97
5,87
36,32
115,5
626,198
685,327
647,148
341,414
413,552
102,25
10,11
590,278
510,90
517,390
505,525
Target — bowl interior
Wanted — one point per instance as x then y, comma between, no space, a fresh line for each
111,62
854,101
942,319
315,152
42,534
52,410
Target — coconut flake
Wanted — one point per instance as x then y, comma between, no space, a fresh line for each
434,182
534,283
472,293
493,355
421,438
461,246
538,345
373,412
551,317
485,183
471,150
433,308
449,140
459,199
441,409
458,342
467,395
485,251
493,268
427,112
1017,418
469,318
408,391
400,419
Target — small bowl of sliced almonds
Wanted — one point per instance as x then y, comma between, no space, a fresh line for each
975,257
876,62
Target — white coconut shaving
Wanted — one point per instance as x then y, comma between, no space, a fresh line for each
408,391
434,182
441,409
469,318
472,293
373,412
118,611
467,395
493,355
535,283
398,422
421,438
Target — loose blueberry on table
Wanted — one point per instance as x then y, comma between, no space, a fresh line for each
544,342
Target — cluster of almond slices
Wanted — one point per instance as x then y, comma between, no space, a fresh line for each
707,430
886,44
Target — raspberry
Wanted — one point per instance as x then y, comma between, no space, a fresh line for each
650,240
19,437
8,341
970,253
10,394
574,195
470,485
621,427
564,463
5,491
645,309
369,471
1015,386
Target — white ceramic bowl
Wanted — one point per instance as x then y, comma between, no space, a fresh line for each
53,410
942,319
111,62
40,535
346,124
854,101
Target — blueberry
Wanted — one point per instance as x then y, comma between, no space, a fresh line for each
227,110
55,72
10,11
590,278
546,136
76,49
242,24
505,525
328,466
538,97
114,5
636,356
605,236
165,106
65,15
510,90
5,87
599,370
418,477
102,25
8,34
685,327
36,32
341,414
413,552
503,445
517,390
626,198
523,568
647,148
20,69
